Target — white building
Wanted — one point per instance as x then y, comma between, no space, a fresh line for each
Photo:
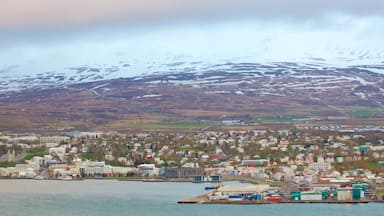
20,171
54,139
147,170
320,166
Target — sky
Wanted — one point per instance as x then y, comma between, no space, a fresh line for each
87,12
37,36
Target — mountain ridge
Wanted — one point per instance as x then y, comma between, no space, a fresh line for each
223,91
20,77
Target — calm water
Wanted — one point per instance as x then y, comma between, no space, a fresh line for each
99,197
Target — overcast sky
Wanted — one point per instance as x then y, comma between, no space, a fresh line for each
87,12
57,33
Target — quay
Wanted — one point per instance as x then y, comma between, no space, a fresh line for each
203,199
265,194
153,180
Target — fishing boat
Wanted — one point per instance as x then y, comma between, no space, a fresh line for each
213,187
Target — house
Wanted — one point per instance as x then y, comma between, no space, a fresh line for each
320,166
377,148
375,155
255,163
9,157
299,159
330,157
356,156
339,159
147,170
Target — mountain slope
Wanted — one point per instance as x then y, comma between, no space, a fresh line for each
246,91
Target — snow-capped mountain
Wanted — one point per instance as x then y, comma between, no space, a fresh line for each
102,96
19,77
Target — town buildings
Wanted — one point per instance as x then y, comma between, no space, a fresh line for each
294,155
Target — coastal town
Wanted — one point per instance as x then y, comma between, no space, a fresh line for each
297,160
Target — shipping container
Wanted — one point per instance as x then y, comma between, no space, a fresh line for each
357,194
296,195
324,195
259,196
251,197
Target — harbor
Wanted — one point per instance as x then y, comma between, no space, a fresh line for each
204,199
258,194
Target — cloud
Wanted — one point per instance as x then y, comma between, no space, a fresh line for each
47,35
25,13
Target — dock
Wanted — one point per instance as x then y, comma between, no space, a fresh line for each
203,199
200,199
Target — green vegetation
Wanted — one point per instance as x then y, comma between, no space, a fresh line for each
361,164
38,152
7,164
88,156
361,114
366,113
380,193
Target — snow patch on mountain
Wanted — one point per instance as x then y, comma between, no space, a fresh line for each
12,78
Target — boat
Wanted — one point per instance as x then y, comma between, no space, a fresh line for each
210,188
39,177
66,178
237,197
213,187
274,198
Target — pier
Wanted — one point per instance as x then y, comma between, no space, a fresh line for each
203,199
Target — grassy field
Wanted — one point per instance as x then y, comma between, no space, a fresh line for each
380,193
39,152
367,113
362,164
7,164
361,114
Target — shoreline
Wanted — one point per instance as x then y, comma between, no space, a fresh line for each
109,179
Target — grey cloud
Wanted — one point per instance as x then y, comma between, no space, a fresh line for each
85,12
50,22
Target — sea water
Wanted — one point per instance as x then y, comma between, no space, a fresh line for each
112,197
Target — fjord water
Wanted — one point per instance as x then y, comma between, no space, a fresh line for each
109,197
